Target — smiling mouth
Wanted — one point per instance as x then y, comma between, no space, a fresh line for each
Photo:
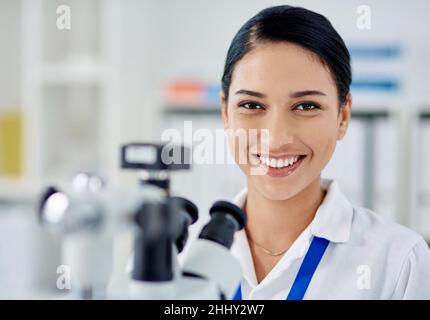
279,167
280,162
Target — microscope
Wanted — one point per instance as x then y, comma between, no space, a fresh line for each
89,215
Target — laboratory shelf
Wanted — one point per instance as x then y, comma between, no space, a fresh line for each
216,110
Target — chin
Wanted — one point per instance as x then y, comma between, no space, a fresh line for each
276,192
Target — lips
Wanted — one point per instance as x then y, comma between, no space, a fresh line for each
279,162
281,166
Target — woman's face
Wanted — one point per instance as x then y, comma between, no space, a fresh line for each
288,91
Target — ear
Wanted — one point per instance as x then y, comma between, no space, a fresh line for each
344,117
223,103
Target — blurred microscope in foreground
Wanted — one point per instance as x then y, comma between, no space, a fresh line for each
88,215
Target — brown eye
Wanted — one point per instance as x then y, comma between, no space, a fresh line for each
307,106
250,105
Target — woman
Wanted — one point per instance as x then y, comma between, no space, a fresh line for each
288,71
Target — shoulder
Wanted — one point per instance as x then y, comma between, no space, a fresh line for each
399,257
379,230
393,245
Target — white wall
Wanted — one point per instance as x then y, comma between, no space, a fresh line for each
9,54
191,37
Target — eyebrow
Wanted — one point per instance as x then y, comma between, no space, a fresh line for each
296,94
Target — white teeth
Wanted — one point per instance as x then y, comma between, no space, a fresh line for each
279,163
273,163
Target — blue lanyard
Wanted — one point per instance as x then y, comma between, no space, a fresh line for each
306,271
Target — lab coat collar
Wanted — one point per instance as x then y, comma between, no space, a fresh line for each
332,221
333,218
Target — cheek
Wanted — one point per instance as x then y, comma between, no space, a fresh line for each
237,136
240,134
321,138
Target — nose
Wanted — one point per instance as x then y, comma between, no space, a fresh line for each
281,129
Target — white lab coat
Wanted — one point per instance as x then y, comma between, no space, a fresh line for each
368,257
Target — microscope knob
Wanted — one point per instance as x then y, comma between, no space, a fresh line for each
43,198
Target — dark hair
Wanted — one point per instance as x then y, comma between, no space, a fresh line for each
296,25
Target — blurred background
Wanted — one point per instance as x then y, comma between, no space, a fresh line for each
127,70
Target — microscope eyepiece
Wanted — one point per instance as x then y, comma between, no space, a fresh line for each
188,214
188,207
230,208
226,219
209,257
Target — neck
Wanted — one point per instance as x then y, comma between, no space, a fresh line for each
276,224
